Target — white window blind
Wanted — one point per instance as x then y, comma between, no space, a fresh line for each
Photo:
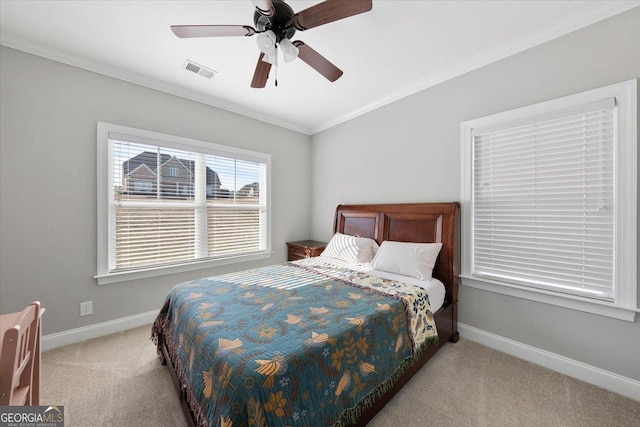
543,201
170,204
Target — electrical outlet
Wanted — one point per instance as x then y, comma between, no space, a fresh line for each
86,308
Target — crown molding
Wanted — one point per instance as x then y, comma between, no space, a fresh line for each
146,81
589,16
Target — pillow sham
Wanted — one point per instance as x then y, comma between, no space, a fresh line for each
409,259
350,248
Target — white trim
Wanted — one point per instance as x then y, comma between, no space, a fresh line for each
84,333
625,270
599,377
105,131
625,91
589,16
143,136
148,82
626,182
125,276
592,306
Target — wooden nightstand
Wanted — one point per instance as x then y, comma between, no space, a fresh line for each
305,249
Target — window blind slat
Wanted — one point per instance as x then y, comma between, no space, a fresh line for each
174,205
550,118
235,227
542,199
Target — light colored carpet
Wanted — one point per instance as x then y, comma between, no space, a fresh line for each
118,381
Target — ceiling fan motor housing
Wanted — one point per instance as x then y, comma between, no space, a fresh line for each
276,23
279,22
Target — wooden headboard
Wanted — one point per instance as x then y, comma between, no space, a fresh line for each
412,222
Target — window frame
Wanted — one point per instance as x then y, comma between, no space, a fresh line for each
624,305
103,275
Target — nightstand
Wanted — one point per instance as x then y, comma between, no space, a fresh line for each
305,249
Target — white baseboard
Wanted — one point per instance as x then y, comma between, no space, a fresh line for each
84,333
608,380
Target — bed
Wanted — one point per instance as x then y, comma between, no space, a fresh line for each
311,342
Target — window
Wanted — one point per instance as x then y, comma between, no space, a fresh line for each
140,186
169,204
549,209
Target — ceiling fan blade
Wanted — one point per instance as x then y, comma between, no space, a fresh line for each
261,74
317,61
265,7
187,31
329,11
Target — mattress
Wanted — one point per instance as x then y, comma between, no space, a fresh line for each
434,287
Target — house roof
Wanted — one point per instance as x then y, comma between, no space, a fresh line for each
150,160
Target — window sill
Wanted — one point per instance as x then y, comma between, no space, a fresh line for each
602,308
126,276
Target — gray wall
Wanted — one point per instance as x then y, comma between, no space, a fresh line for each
408,151
48,184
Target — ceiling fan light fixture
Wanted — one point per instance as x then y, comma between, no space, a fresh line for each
267,42
289,51
270,58
275,24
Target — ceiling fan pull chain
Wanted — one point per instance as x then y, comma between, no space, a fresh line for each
275,24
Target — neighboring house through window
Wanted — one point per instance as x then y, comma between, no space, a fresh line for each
169,204
549,202
141,186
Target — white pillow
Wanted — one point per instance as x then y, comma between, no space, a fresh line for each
409,259
350,248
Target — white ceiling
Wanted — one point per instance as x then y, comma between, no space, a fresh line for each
397,49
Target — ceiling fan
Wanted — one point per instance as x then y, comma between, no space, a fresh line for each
275,23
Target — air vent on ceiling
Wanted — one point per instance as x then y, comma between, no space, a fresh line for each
199,69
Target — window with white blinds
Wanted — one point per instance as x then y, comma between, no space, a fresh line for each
548,194
543,201
172,201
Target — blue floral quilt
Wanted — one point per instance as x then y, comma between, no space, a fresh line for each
297,344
